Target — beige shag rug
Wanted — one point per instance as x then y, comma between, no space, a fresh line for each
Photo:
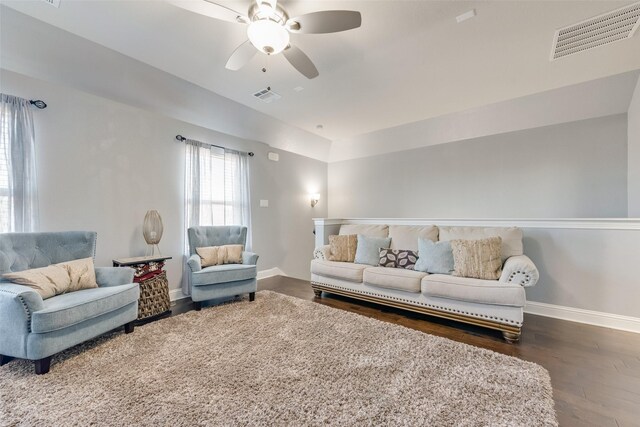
276,361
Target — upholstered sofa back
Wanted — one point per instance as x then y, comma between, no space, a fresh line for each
204,236
406,236
22,251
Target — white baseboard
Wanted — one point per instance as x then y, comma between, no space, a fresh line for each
270,273
596,318
176,294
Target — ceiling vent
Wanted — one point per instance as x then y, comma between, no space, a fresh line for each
54,3
598,31
267,95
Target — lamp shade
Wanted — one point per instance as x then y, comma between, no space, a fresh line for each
268,36
152,228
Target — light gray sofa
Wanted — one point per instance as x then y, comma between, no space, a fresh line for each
220,281
496,304
35,329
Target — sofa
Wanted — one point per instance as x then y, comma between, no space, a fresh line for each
220,281
495,304
35,329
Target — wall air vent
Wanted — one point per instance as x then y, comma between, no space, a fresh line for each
267,95
54,3
598,31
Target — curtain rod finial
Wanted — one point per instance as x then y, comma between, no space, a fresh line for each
180,138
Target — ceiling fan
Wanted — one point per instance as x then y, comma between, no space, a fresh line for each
269,27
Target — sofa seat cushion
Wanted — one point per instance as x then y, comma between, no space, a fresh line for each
72,308
338,270
223,274
473,290
394,278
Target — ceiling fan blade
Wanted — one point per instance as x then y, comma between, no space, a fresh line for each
327,21
210,9
301,62
241,56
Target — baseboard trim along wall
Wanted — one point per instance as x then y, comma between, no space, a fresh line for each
176,294
589,317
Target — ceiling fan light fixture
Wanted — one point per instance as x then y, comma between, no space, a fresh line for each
268,36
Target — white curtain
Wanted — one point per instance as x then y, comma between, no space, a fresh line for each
18,191
216,190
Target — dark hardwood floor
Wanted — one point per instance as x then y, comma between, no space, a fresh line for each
595,372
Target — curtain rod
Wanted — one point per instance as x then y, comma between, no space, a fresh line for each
183,139
38,103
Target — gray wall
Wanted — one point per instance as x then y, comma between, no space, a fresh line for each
103,164
634,153
576,169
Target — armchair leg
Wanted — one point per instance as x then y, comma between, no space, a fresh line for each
252,296
197,305
5,359
128,327
42,365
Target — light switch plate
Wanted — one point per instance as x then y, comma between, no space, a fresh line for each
264,203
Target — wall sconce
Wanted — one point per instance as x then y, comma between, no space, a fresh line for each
315,198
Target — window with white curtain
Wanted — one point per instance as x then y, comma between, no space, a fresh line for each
217,186
18,193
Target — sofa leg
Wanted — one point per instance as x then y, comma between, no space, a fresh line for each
128,327
42,365
5,359
252,296
317,293
197,305
511,337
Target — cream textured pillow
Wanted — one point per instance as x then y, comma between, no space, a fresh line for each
479,259
47,281
218,255
82,274
343,247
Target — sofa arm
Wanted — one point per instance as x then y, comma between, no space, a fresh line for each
250,258
194,263
322,252
17,303
114,276
520,270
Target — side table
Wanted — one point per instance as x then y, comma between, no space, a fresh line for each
154,301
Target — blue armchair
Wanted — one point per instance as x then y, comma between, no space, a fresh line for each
219,281
35,329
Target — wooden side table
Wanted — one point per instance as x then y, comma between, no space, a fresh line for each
154,301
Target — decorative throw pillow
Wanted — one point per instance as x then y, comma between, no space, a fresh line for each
479,259
368,249
398,258
47,281
218,255
82,274
343,247
434,257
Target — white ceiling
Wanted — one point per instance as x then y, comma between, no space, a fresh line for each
409,61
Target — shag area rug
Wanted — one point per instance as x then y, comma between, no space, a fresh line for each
276,361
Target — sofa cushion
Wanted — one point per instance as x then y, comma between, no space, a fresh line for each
343,247
223,274
339,270
70,309
406,236
511,237
47,281
473,290
368,250
82,274
434,257
479,259
398,258
365,229
394,278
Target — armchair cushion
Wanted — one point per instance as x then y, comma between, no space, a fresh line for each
520,270
223,273
69,309
114,276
